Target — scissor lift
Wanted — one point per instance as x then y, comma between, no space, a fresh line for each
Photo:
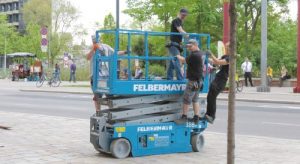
143,115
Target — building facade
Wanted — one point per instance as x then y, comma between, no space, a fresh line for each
12,8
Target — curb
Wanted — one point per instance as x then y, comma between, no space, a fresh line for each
259,100
49,91
221,98
263,101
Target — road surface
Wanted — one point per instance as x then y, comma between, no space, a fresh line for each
257,119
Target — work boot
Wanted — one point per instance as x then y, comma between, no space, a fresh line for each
196,119
209,119
182,120
184,117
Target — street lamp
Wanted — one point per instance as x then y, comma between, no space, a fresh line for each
264,47
117,20
5,51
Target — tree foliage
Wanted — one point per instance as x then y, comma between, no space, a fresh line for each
58,16
40,15
207,17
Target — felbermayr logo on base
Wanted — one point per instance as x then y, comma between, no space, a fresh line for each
158,87
154,128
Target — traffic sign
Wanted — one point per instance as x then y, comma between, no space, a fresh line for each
44,48
44,31
44,42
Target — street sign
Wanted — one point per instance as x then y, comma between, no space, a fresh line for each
44,31
44,48
44,42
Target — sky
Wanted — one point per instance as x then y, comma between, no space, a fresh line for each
92,11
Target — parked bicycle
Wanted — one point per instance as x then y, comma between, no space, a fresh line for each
54,81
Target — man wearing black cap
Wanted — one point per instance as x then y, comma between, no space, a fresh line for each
194,74
175,46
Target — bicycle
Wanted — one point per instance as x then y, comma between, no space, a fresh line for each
54,81
239,83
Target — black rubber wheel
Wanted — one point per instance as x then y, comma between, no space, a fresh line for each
55,83
39,83
239,86
197,142
120,148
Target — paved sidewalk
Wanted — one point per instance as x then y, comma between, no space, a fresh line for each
47,139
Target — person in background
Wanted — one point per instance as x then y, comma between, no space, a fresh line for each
194,74
37,69
247,69
57,72
175,47
138,73
73,72
105,50
284,75
270,75
218,84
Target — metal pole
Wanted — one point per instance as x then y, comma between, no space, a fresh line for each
5,52
118,22
226,23
49,35
297,88
264,49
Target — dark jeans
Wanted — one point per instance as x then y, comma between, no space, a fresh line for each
57,76
72,76
247,76
174,63
216,87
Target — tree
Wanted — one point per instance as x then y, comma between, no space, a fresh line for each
59,16
109,24
232,87
64,15
40,15
248,32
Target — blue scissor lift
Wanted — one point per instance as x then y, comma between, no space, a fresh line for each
143,113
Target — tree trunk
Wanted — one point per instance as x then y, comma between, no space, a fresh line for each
232,86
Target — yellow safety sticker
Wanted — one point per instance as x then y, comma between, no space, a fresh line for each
120,129
151,138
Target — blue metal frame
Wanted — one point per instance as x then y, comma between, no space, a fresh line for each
160,138
130,86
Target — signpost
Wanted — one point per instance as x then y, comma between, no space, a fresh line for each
44,40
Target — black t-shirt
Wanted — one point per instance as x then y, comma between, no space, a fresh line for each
194,66
176,23
224,70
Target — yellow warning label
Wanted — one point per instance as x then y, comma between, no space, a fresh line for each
120,129
151,138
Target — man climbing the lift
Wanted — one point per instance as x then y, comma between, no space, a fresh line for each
218,84
105,50
175,47
195,80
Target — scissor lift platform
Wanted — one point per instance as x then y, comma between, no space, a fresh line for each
143,118
145,125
